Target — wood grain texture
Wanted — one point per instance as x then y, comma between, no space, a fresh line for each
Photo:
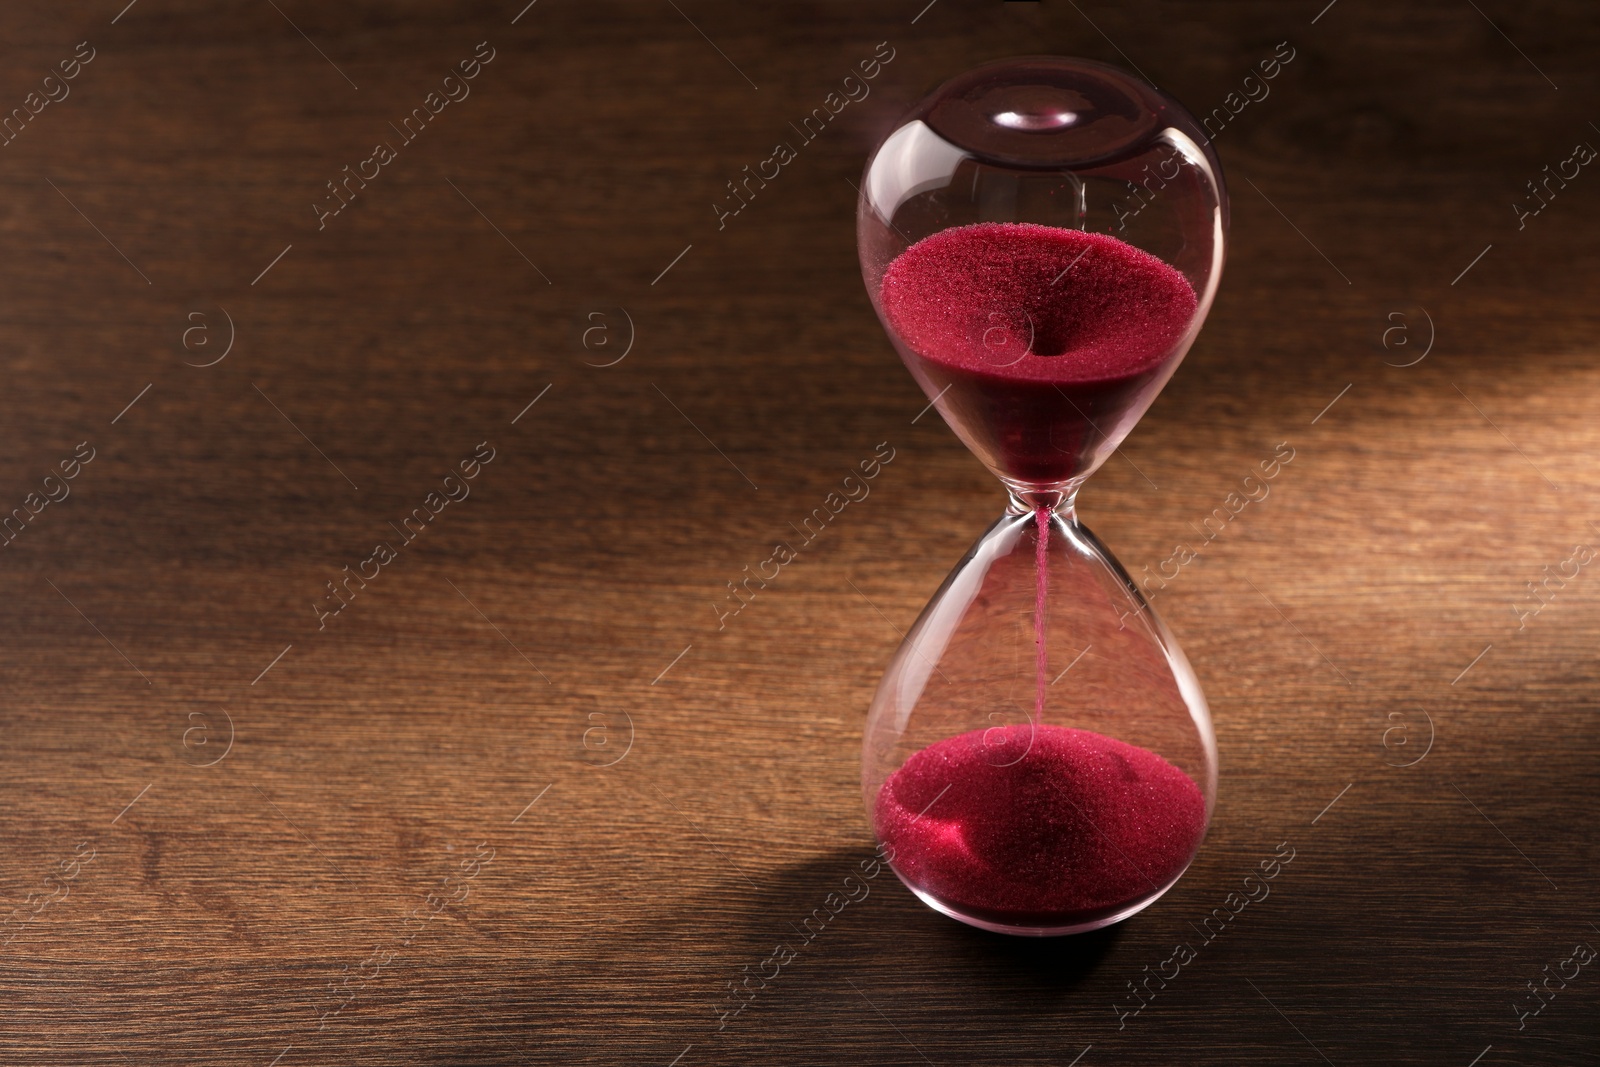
440,743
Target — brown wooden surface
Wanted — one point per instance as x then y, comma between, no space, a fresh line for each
231,911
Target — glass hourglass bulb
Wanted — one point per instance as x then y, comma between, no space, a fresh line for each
1042,238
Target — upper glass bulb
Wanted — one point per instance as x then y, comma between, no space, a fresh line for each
1042,238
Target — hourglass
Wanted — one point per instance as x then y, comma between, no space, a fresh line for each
1042,238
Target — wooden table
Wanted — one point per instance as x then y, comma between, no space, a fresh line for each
519,800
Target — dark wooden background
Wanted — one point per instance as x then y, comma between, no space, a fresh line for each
205,860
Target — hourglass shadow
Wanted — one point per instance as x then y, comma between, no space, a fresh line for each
994,964
1060,962
889,930
794,955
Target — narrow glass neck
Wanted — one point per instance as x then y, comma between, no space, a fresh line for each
1060,499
